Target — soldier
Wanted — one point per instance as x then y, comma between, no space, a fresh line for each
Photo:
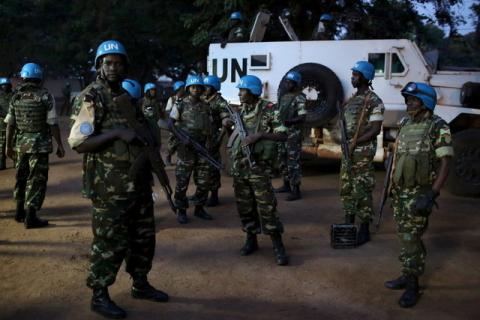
421,163
31,122
123,223
256,203
219,111
325,29
152,108
363,117
179,93
292,113
5,96
237,31
192,115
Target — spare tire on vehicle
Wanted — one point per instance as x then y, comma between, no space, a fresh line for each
323,90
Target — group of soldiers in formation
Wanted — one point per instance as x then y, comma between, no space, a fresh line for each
118,134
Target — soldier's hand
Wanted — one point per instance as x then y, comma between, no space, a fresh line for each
127,135
227,123
252,139
60,151
424,204
10,153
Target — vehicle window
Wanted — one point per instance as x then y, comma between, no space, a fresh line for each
378,61
397,66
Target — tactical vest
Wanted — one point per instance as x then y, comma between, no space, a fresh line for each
31,108
285,106
352,113
414,160
194,119
151,108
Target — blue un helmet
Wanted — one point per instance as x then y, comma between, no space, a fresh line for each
365,68
193,80
252,83
423,92
5,81
133,88
31,71
237,15
110,47
326,17
212,81
178,85
294,76
149,86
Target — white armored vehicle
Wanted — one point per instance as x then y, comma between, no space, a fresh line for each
325,69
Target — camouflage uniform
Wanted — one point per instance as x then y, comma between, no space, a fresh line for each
356,191
424,143
237,34
123,223
4,102
31,113
291,106
256,202
195,119
153,110
219,111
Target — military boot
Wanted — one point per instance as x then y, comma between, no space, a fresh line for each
20,213
396,284
250,246
411,295
182,216
363,234
279,249
349,219
32,221
201,213
213,200
102,304
141,289
295,194
285,188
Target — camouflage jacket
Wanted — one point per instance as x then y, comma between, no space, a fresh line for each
4,103
290,106
152,108
194,118
32,134
219,111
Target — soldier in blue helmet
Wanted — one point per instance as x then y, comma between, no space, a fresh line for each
5,96
237,31
123,224
363,114
31,124
423,152
152,108
325,29
179,94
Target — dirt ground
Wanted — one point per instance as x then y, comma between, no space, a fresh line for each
42,272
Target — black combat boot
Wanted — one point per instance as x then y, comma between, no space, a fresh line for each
250,246
32,221
201,213
20,213
285,188
363,234
141,289
279,249
410,297
295,194
349,219
182,216
102,304
213,200
396,284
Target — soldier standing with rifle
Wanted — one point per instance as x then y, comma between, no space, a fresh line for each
172,145
292,113
363,115
420,168
123,223
253,146
190,121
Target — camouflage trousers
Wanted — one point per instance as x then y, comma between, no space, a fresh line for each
188,162
410,228
172,144
31,179
356,191
3,143
215,174
256,203
289,156
123,229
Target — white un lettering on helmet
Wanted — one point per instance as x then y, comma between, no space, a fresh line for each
110,46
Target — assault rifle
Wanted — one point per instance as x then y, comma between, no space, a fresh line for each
344,138
386,189
185,139
150,157
241,132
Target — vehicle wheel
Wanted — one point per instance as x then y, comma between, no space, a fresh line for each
323,90
464,177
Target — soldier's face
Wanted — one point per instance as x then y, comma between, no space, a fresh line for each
290,85
195,91
152,92
113,68
181,92
245,96
356,79
414,106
